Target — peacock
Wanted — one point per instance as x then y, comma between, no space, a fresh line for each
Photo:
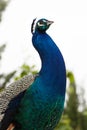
37,102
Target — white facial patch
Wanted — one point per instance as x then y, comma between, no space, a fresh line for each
40,24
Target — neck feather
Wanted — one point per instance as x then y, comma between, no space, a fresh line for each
53,68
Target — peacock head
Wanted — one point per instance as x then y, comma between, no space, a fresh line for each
42,25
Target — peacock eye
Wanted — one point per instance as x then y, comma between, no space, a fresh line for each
41,22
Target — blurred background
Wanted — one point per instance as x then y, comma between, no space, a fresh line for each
18,57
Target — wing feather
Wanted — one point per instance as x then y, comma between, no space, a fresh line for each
10,99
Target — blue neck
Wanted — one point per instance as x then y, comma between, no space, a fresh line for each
53,68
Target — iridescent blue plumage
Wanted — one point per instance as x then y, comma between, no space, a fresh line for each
43,102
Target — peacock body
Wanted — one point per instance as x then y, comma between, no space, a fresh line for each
41,105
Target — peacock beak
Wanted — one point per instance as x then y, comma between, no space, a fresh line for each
49,22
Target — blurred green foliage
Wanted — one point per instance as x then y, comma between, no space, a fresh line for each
25,70
4,78
3,4
73,102
73,118
2,47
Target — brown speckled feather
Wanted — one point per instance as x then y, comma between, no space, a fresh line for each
10,94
